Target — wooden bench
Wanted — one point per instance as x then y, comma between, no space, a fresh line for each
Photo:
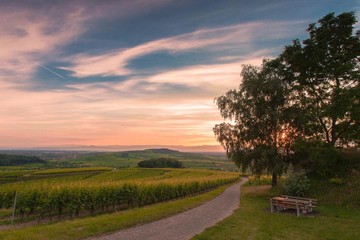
303,205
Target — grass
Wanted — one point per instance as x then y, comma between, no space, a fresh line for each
107,223
5,213
254,221
30,166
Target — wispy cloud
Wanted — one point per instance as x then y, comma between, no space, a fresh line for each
35,33
28,37
115,63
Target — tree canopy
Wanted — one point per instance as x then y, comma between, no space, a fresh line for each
15,160
310,92
258,137
324,71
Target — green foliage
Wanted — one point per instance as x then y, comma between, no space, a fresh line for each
15,160
322,158
297,185
324,74
160,163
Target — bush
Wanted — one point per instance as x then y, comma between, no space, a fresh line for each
160,163
297,185
336,181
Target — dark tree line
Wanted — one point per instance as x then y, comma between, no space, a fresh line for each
160,163
308,96
15,160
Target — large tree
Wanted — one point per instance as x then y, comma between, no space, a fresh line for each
258,137
324,73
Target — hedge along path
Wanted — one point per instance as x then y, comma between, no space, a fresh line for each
187,224
130,188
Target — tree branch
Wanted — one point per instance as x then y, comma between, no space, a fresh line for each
326,130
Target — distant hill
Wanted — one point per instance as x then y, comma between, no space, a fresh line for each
15,160
162,150
200,148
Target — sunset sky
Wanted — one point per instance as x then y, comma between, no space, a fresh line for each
134,72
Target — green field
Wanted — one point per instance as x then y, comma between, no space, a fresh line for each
21,175
75,159
131,158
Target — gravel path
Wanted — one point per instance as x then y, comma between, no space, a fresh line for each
187,224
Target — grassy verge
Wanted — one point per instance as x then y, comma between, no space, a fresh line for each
107,223
253,221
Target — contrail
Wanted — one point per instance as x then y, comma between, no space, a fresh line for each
52,71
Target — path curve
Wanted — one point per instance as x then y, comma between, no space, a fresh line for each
187,224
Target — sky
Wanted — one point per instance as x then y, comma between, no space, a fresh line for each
136,72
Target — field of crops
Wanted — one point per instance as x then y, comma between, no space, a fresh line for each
106,190
21,175
131,159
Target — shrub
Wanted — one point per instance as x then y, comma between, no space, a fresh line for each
297,185
337,181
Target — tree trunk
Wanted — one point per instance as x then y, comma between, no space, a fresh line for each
274,180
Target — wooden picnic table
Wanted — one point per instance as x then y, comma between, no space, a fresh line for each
283,202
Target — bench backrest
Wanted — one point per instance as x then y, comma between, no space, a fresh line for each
314,201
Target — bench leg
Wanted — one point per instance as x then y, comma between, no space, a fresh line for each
271,206
297,209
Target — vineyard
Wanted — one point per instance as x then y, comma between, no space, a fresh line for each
104,190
